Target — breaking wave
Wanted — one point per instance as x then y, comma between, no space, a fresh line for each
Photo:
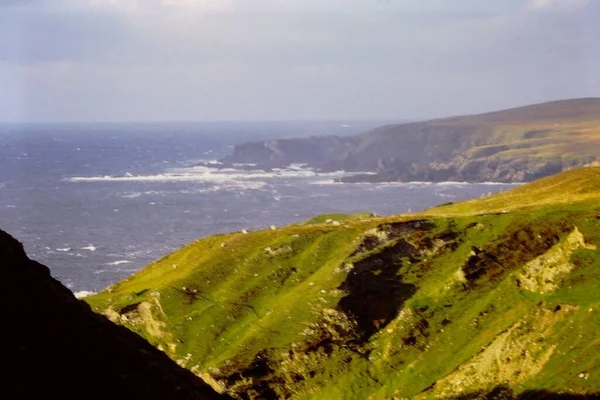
119,262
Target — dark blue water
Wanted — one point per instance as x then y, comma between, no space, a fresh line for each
96,203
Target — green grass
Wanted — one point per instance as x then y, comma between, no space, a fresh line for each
231,302
569,187
330,218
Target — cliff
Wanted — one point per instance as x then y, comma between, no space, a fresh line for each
516,145
55,346
495,298
313,150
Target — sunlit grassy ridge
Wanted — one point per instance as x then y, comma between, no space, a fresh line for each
464,298
569,187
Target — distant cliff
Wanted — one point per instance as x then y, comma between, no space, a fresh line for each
315,150
515,145
55,346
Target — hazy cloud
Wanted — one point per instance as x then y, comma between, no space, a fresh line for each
560,4
292,59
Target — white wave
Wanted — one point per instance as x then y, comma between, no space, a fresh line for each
131,195
502,183
65,249
298,166
11,206
450,196
205,174
90,248
451,183
327,182
119,262
83,293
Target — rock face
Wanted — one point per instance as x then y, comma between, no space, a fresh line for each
516,145
54,346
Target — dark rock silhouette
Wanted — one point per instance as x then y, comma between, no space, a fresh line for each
55,346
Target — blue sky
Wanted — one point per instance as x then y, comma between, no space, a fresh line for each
200,60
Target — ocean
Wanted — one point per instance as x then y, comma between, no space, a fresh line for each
95,203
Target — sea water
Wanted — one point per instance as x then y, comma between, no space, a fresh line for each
95,203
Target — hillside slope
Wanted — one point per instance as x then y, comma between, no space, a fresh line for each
56,347
516,145
450,304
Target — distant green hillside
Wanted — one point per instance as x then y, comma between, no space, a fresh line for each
498,296
516,145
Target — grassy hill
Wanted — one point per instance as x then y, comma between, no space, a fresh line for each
495,297
519,144
516,145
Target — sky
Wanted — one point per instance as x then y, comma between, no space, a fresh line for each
262,60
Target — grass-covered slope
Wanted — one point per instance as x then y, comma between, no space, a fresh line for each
460,302
569,187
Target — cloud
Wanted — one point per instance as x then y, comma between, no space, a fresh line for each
558,4
133,60
163,5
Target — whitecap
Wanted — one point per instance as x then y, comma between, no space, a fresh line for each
65,249
502,183
90,248
244,165
131,195
119,262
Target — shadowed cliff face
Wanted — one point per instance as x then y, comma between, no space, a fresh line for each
56,347
516,145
